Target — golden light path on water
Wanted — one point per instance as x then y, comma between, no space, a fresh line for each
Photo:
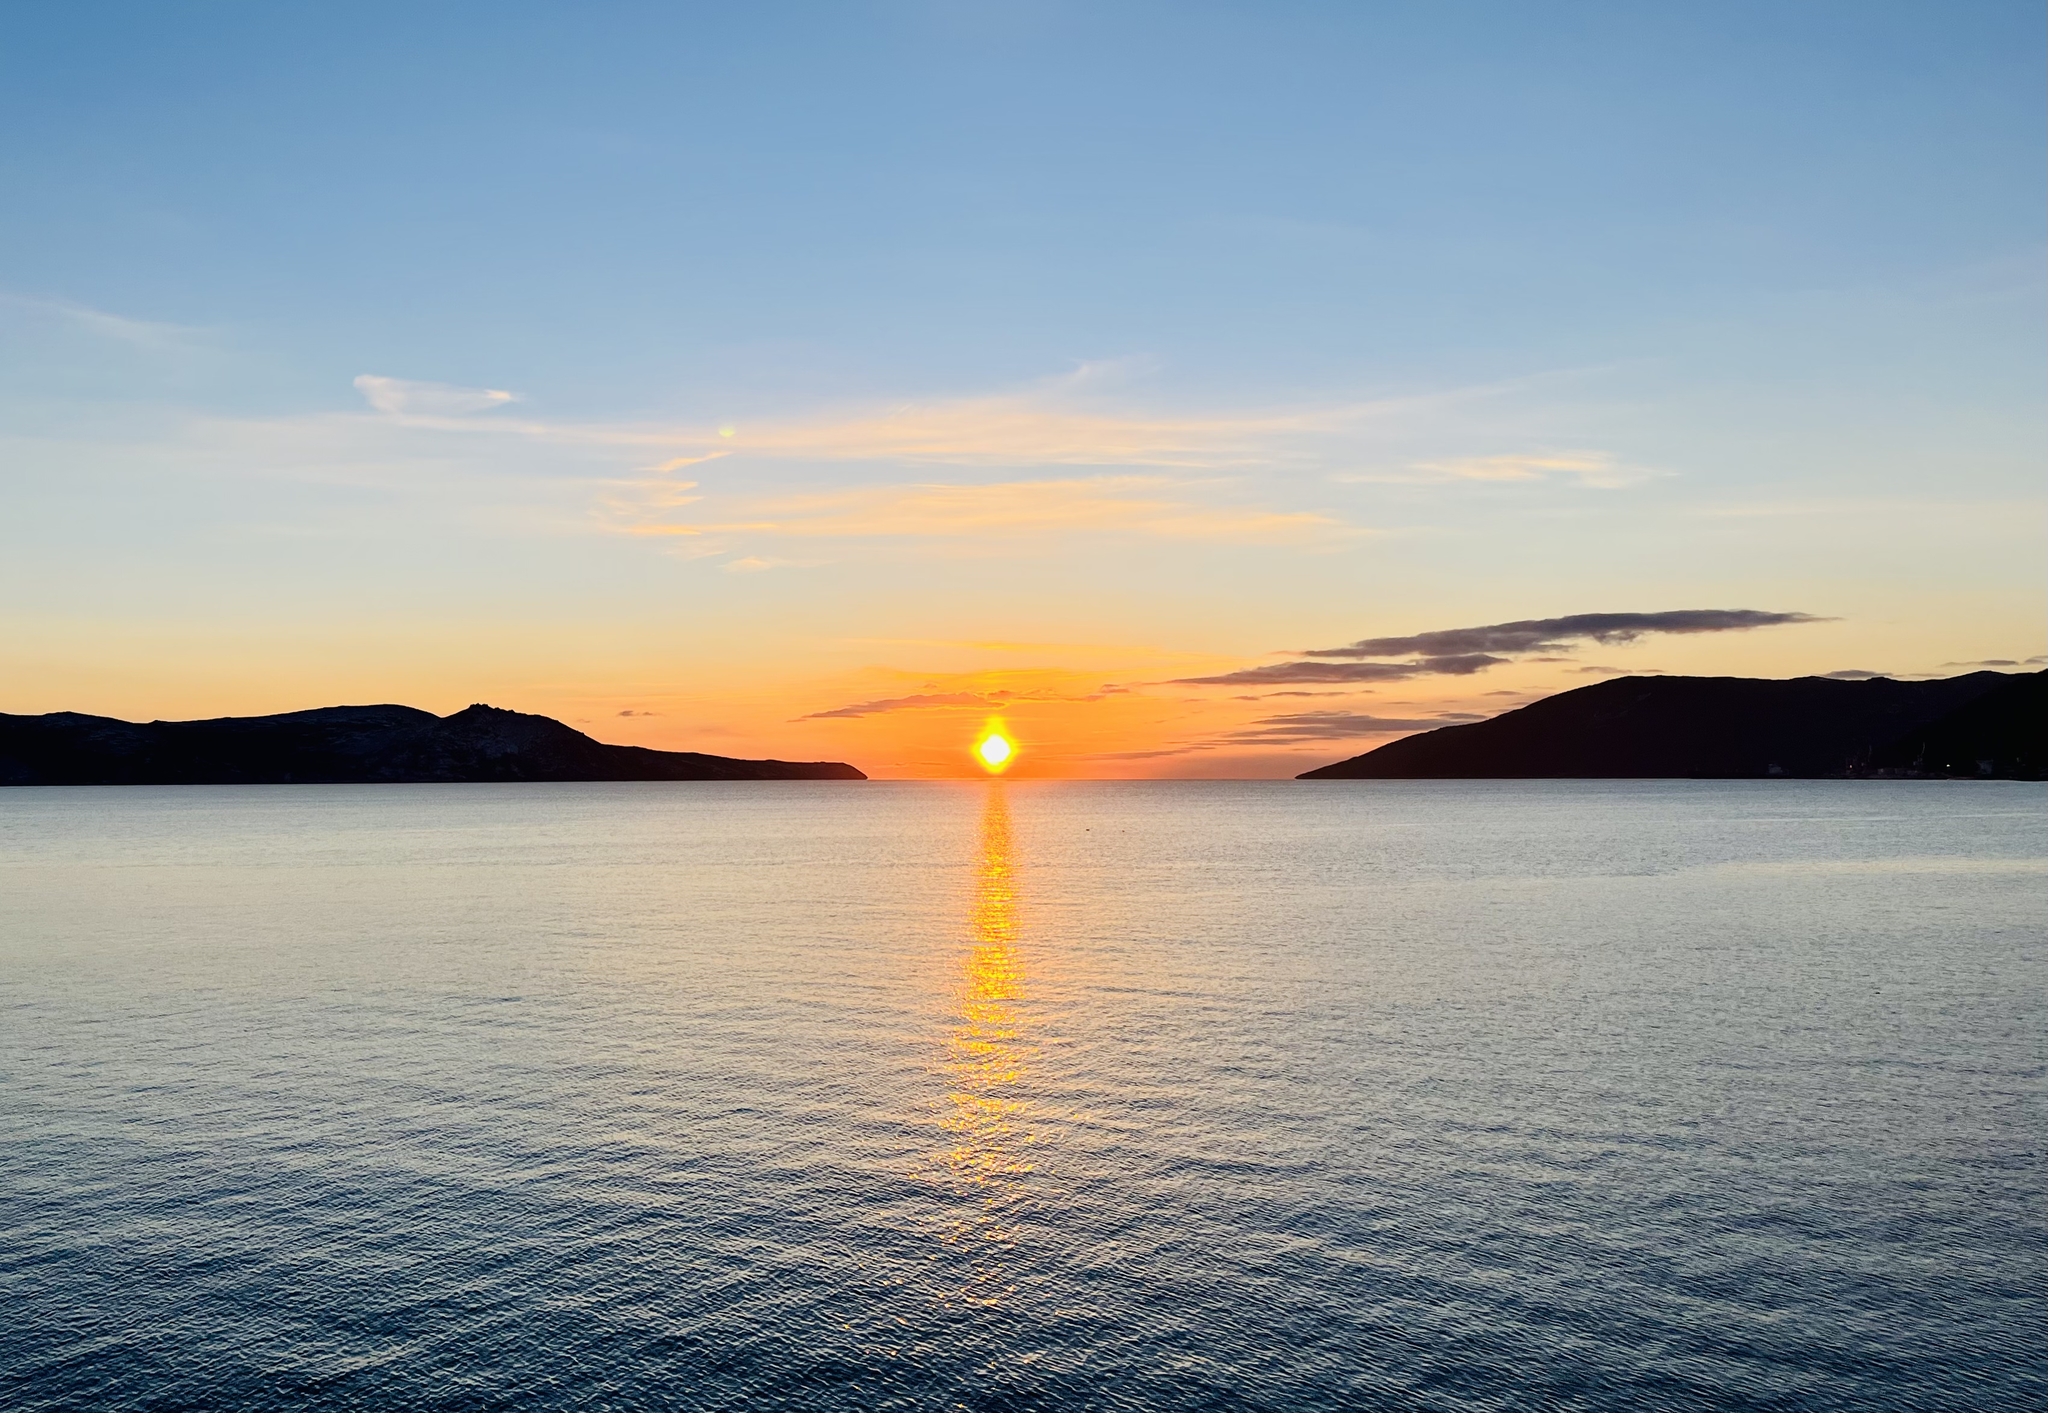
989,1152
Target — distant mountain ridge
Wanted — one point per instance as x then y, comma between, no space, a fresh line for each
351,745
1983,724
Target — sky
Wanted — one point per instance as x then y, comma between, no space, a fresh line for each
1199,390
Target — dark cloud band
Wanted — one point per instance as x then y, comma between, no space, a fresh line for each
1458,652
1337,726
1530,635
1460,665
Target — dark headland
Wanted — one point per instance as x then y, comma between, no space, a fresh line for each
1984,725
351,745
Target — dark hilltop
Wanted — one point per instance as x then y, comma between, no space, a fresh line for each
1983,725
351,745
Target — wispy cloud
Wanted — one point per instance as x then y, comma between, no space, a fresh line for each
1072,421
145,334
993,700
1337,692
1461,665
1063,421
1302,727
1149,505
1597,470
1059,422
1558,634
1459,652
1091,462
930,477
1157,754
405,398
1337,726
1014,432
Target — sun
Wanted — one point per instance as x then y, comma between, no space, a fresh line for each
995,750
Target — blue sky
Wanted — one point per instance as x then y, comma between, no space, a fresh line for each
1268,324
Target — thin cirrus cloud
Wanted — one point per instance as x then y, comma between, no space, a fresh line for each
1459,652
1559,634
1593,470
1158,753
1337,726
145,334
1174,475
1152,505
1303,727
1067,420
1174,484
405,398
984,701
995,431
890,704
1059,422
1040,426
1460,665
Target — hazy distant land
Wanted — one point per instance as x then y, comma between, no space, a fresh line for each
1983,725
351,745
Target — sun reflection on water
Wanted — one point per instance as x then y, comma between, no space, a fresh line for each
989,1152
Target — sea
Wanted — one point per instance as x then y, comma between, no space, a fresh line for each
1015,1094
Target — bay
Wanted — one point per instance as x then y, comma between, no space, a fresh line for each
1117,1095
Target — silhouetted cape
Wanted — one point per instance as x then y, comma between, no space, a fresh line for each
351,745
1985,724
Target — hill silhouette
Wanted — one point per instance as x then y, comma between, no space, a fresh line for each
351,745
1981,724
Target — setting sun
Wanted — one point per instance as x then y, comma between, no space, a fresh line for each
994,750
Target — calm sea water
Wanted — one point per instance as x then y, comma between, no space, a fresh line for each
1273,1095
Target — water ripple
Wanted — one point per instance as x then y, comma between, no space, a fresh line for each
1462,1096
